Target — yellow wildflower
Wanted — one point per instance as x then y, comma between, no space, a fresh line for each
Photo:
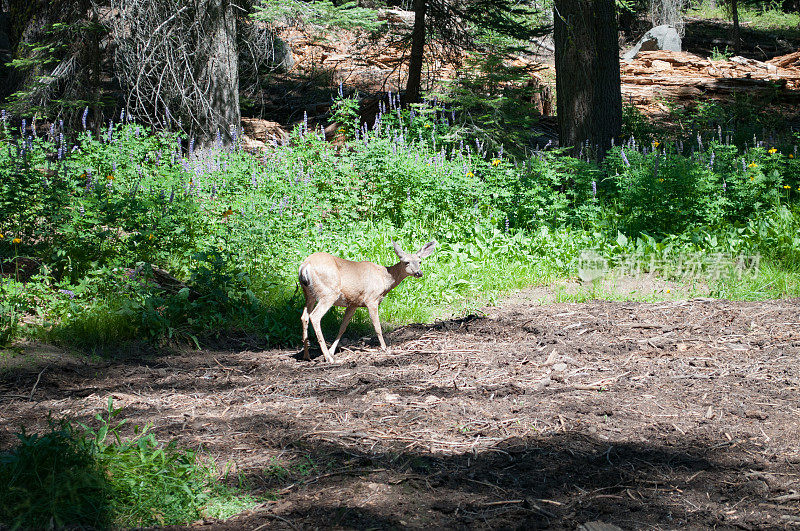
110,177
496,162
787,187
427,126
150,237
227,213
752,165
791,156
668,290
470,174
1,235
772,151
656,143
16,240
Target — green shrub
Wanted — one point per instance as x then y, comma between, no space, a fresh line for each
87,478
233,226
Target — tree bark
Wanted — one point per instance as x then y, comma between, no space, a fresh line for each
414,83
737,39
219,75
589,101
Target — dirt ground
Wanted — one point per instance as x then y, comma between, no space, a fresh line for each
644,415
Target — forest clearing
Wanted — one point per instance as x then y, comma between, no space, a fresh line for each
603,333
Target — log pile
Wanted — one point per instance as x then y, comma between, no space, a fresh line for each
648,81
685,78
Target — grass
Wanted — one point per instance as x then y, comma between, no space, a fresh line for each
767,16
233,226
73,476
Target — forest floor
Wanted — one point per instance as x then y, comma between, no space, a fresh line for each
681,413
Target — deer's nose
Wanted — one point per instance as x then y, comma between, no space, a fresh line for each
418,274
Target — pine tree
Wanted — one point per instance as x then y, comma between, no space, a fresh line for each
587,73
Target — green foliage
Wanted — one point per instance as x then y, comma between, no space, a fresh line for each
232,226
319,14
635,124
95,478
43,93
721,55
759,15
52,481
493,101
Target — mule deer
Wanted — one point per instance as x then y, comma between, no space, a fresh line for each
328,280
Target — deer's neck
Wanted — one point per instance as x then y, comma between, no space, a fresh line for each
397,274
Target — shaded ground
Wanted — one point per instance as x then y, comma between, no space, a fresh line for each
645,415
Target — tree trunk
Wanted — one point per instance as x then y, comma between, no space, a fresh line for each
587,74
414,83
737,40
218,75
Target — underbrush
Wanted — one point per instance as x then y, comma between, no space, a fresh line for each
100,217
73,476
760,15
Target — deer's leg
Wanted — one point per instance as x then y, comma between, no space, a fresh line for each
322,307
304,321
348,314
376,322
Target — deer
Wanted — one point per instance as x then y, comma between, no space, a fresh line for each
329,281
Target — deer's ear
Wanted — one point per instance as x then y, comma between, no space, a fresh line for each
397,249
427,249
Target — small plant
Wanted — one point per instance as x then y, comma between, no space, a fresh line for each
82,477
721,55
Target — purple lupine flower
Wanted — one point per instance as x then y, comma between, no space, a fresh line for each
191,146
341,92
52,132
60,152
172,195
3,115
67,292
82,211
624,157
83,118
724,186
24,126
699,142
305,122
594,189
744,165
110,131
711,160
